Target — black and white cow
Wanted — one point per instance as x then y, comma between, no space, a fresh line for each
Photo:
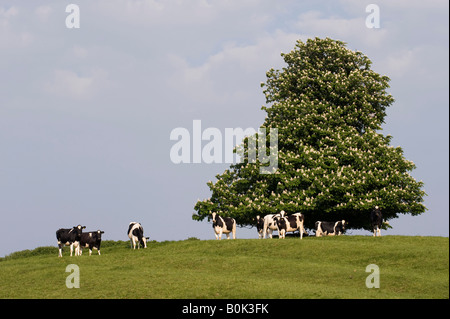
377,220
136,235
270,225
223,225
69,237
92,239
260,226
290,223
330,228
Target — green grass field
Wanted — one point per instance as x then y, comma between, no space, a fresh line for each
333,267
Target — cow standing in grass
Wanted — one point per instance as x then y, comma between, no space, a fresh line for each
376,219
69,237
136,234
270,224
330,228
223,225
92,239
290,223
260,226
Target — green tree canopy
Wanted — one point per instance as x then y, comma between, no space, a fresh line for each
333,163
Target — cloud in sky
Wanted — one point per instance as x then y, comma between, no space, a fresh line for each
86,114
70,85
231,74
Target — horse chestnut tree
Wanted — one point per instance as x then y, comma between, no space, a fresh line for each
334,162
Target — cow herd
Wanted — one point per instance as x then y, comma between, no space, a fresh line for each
76,238
282,223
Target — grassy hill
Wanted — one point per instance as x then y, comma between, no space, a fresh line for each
334,267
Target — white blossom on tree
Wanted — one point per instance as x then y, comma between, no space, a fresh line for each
333,162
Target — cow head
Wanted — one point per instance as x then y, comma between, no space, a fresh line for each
144,241
78,230
376,210
214,219
344,225
259,223
280,221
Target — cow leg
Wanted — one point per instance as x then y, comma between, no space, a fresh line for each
228,236
265,229
220,234
76,244
270,231
374,231
59,249
71,249
378,231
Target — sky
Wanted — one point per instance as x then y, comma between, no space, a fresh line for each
86,113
